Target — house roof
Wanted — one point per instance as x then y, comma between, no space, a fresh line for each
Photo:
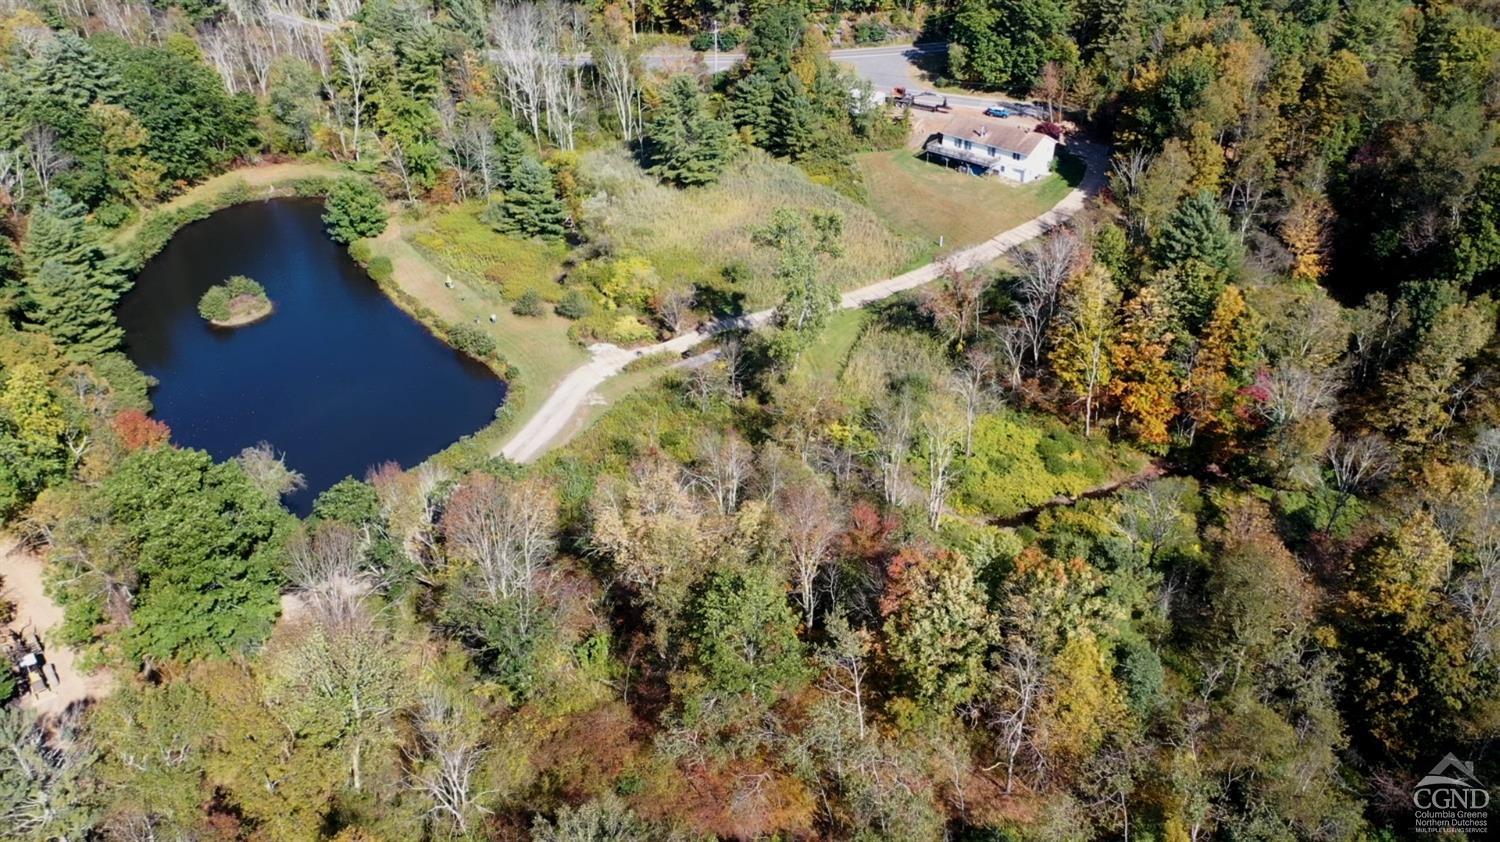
991,133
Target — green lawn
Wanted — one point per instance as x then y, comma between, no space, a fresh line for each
930,201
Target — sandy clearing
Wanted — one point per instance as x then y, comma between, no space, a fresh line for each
37,615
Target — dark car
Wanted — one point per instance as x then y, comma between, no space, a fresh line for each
996,111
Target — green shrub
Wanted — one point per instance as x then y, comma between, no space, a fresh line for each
471,340
354,209
870,32
1021,462
313,185
574,305
361,252
214,305
112,214
619,328
728,39
529,304
380,269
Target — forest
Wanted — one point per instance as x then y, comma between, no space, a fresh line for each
1179,522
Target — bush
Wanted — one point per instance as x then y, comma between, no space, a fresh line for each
870,32
1051,130
214,305
112,214
660,359
529,304
728,39
619,328
313,185
361,252
380,269
574,305
471,340
354,209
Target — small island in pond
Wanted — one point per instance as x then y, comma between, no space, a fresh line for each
237,302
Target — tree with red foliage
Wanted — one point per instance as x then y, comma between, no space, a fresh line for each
138,431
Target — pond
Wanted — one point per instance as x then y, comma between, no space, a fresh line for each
338,378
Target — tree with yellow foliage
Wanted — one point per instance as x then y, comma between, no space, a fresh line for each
1081,358
1213,395
1145,385
1305,231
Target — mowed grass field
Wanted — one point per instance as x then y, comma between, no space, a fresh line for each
929,201
693,235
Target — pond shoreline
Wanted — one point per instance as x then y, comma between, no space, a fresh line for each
147,237
249,317
343,379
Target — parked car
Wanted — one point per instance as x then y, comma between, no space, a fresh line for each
997,111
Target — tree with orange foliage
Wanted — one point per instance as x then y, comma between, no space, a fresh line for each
1145,386
138,431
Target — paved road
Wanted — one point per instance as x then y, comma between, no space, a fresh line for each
545,428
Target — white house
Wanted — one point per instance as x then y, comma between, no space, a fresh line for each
986,147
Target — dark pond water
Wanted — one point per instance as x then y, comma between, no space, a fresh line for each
337,378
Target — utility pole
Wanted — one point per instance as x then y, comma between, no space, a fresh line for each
716,46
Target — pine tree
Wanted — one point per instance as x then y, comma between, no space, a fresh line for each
685,144
530,207
752,107
72,282
1197,230
510,154
794,119
1144,385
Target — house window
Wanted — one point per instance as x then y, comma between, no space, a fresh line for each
1016,155
966,144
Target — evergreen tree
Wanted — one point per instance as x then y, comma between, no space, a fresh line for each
794,124
1197,254
354,210
72,282
1197,230
530,207
685,144
510,155
752,107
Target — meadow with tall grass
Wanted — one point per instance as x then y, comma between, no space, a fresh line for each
705,236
